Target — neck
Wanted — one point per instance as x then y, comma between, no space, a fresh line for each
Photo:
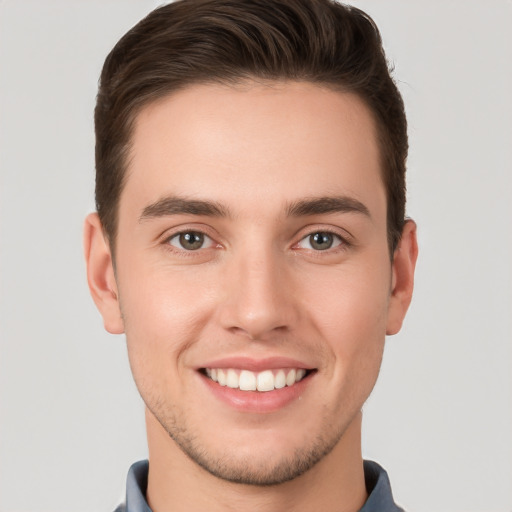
177,484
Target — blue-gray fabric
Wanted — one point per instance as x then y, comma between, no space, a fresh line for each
380,498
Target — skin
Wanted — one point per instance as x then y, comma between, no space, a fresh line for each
257,288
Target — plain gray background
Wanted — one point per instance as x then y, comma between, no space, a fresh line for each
440,418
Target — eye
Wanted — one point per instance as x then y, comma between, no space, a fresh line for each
190,240
320,241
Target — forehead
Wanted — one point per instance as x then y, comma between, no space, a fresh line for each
278,141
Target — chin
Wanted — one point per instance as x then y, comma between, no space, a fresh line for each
272,467
253,456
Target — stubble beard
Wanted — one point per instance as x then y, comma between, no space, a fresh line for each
227,467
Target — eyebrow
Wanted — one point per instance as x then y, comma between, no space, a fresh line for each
173,205
329,204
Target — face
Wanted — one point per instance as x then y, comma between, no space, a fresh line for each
253,277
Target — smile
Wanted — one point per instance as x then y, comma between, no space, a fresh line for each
246,380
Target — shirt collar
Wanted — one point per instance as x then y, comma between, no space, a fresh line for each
136,485
380,497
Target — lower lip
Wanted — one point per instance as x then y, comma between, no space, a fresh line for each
258,401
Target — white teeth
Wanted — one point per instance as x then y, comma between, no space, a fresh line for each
232,379
245,380
280,380
221,377
290,378
265,381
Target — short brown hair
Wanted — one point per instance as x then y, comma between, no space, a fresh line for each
225,41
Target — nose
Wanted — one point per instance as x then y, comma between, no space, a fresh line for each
258,299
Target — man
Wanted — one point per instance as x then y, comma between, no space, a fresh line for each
251,243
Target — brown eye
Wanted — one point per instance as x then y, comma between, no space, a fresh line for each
189,240
320,241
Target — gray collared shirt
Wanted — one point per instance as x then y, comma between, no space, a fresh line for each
380,498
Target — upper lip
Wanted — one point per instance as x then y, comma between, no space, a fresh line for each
256,365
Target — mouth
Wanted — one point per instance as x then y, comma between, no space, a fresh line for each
262,381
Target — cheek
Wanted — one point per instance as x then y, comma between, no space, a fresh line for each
164,314
351,297
160,299
349,310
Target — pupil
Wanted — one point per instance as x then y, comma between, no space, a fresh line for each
321,241
191,241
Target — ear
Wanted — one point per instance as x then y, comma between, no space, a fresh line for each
402,284
100,274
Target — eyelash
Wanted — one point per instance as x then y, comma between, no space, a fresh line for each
342,245
189,252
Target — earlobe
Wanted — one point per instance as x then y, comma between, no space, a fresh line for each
402,284
100,274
